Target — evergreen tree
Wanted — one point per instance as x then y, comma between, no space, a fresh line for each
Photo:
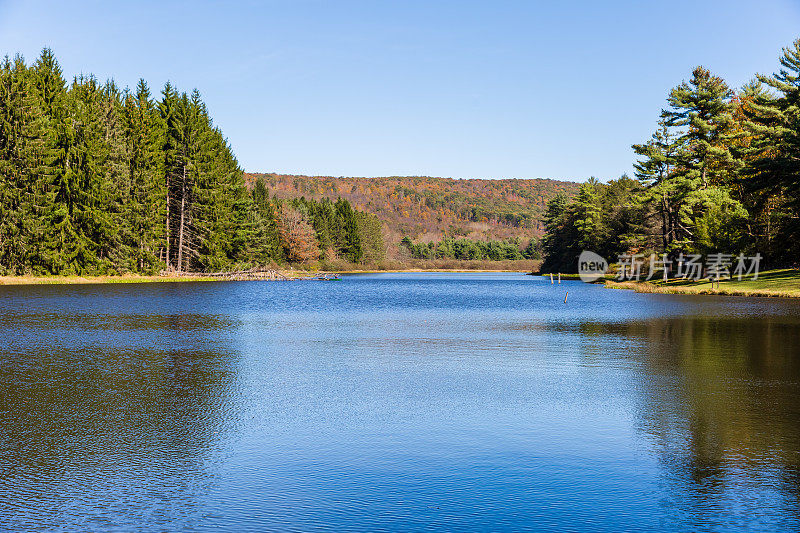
266,243
23,193
664,191
184,141
370,232
76,222
87,226
532,250
589,216
50,102
774,152
703,162
145,193
349,240
701,109
560,242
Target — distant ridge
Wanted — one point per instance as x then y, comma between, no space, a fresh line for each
428,208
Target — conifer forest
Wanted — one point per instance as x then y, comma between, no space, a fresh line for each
96,179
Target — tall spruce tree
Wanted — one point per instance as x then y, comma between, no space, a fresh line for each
54,243
85,224
349,238
144,210
23,192
264,242
560,242
589,216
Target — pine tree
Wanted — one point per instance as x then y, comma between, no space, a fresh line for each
349,240
664,189
703,162
85,225
774,151
265,243
58,240
22,154
777,121
144,210
183,141
560,240
589,216
370,231
701,108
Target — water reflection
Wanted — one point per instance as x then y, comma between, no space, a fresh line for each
718,396
100,432
396,402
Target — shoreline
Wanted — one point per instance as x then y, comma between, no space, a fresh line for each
771,284
136,278
453,270
90,280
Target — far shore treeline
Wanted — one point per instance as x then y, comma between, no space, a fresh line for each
721,174
95,179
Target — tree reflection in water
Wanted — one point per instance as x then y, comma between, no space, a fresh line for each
100,418
718,397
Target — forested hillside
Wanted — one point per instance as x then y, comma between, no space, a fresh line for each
721,174
432,208
95,179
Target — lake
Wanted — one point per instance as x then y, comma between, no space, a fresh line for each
396,402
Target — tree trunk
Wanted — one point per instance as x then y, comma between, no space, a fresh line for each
180,233
671,232
168,231
665,221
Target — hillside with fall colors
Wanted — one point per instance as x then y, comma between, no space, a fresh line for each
427,209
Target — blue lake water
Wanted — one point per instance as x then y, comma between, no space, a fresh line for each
396,402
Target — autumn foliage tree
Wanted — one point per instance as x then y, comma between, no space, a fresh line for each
297,235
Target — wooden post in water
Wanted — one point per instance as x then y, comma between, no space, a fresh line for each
559,278
565,297
551,278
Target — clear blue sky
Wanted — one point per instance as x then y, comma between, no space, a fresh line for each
463,89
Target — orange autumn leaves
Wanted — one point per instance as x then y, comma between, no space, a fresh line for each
297,234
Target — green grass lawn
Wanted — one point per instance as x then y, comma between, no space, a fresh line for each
782,282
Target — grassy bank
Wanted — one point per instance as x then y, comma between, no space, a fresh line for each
75,280
124,278
783,283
